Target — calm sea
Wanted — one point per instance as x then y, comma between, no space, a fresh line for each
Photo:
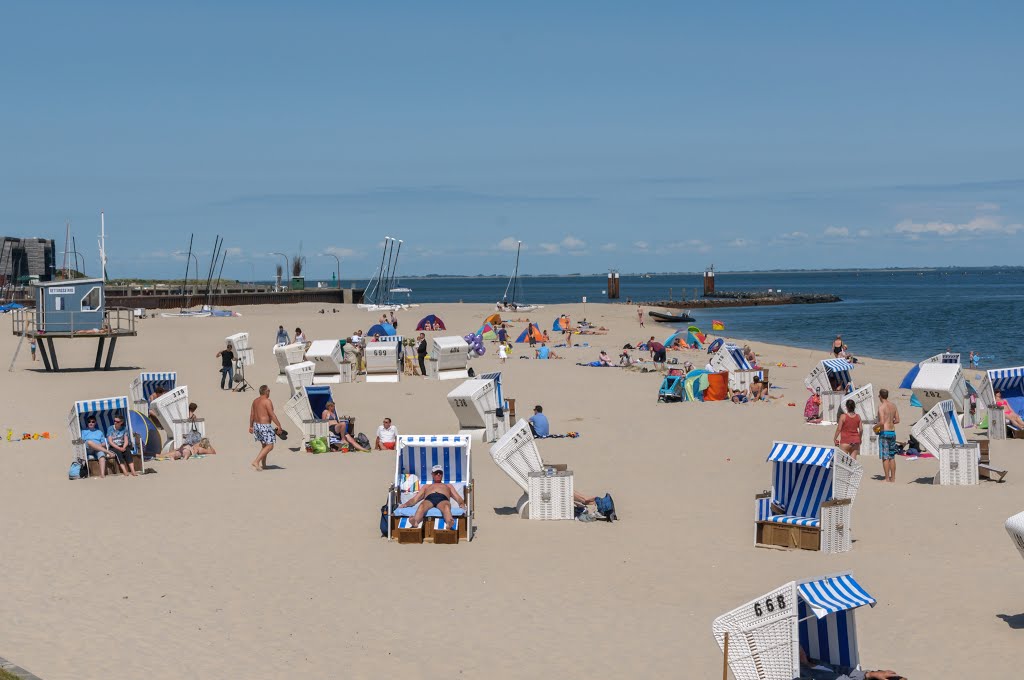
900,315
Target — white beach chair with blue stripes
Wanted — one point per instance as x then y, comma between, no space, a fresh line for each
104,411
741,373
171,411
811,500
517,455
940,434
415,455
305,408
143,386
1010,382
766,634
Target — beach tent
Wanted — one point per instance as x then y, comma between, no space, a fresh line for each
561,323
532,331
145,429
382,329
695,340
487,332
715,346
816,615
557,324
493,319
697,333
695,384
678,335
431,322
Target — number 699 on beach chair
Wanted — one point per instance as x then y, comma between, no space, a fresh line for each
811,501
766,634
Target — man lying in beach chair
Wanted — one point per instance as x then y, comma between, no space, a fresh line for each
436,494
432,471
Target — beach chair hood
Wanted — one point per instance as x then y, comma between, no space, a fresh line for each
104,410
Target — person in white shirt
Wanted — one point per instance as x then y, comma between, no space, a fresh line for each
387,436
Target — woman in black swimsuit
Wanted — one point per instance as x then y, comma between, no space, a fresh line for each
837,345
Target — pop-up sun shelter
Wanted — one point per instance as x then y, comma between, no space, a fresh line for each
766,634
381,329
531,331
487,332
809,506
431,322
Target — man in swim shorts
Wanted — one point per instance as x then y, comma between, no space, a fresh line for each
263,426
438,495
888,416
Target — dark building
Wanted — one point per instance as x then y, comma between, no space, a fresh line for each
21,258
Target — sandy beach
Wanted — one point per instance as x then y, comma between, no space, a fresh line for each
206,569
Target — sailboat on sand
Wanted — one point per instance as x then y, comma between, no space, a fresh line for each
509,301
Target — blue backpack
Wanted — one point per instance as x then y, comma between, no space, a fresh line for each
79,469
606,506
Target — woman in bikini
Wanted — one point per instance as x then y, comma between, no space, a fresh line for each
1011,416
849,430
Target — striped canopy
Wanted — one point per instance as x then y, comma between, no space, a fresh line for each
1009,381
416,454
151,381
803,454
496,377
837,365
834,594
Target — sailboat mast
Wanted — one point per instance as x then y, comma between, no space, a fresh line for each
380,270
188,261
103,247
387,273
394,271
515,273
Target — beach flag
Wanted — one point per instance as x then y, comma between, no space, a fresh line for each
717,325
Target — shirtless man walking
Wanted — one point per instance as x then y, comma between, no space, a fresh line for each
438,495
261,415
888,416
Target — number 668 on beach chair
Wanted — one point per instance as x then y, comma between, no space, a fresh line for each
762,639
811,500
415,455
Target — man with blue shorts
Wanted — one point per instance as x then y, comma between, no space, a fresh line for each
888,417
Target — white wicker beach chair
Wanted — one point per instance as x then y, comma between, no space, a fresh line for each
104,411
305,408
475,404
299,375
1009,381
830,375
1015,527
331,366
811,500
288,355
944,358
940,434
239,343
517,455
415,455
766,634
143,386
741,373
171,411
937,382
450,354
384,359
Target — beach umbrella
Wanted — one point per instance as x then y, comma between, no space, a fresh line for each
908,379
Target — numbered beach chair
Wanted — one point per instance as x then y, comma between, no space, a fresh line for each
239,343
305,408
299,375
104,411
1015,527
811,500
475,404
384,359
517,455
288,355
143,386
741,373
415,455
1010,382
961,462
330,363
171,411
449,359
763,638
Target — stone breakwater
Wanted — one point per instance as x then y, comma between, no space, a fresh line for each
745,299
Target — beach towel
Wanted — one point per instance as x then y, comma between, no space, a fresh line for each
567,435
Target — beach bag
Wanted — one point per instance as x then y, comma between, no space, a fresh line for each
363,440
192,437
384,520
79,469
319,445
606,506
471,373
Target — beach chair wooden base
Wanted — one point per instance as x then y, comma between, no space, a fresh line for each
403,535
113,468
771,534
985,468
444,536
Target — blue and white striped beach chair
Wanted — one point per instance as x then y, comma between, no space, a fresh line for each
766,634
809,506
830,375
960,460
415,455
104,411
1009,381
741,373
305,408
143,386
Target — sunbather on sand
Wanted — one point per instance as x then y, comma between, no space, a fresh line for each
604,359
817,670
436,494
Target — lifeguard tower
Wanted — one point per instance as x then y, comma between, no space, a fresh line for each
70,310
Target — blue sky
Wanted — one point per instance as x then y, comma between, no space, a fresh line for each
647,137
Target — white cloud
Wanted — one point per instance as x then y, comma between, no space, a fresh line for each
864,233
341,252
549,248
693,245
233,252
793,236
509,244
987,224
740,243
837,232
572,243
609,247
641,245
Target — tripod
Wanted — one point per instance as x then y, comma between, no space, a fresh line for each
240,380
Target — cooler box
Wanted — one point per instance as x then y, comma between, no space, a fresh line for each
471,402
452,356
383,359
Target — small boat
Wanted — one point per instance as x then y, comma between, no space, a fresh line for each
401,290
682,317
